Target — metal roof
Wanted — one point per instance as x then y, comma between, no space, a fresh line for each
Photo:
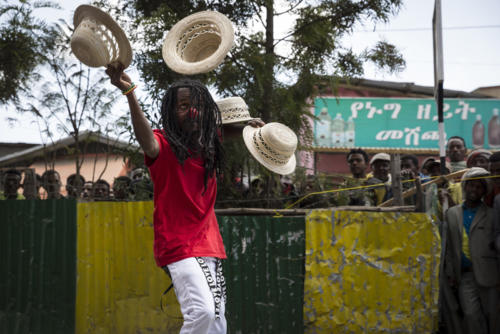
410,87
42,149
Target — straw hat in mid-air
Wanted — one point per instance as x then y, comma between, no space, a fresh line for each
273,146
97,39
233,110
198,43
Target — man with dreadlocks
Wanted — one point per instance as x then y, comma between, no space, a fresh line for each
184,158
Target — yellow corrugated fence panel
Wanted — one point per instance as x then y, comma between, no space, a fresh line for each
119,285
371,272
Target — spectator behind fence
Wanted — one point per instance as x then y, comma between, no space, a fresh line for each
471,262
447,190
74,186
31,184
288,187
456,151
121,188
410,171
479,158
410,162
100,190
494,167
357,159
11,183
141,186
425,169
138,174
380,165
87,190
51,182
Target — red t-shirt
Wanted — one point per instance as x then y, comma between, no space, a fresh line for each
184,221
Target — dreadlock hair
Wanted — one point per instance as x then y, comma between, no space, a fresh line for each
205,141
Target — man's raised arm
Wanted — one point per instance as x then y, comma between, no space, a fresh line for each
142,128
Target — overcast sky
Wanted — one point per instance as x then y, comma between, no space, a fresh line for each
471,43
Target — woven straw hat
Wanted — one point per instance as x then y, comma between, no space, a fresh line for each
273,145
198,43
98,40
233,110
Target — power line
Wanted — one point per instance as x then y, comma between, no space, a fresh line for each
428,29
454,62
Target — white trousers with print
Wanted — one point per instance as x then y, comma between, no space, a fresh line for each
195,297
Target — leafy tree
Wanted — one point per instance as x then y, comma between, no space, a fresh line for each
276,75
71,98
24,43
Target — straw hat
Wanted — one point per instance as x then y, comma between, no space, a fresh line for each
273,145
198,43
233,110
98,40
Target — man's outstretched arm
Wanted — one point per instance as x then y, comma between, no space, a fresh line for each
142,128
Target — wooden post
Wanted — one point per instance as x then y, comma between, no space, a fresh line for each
397,191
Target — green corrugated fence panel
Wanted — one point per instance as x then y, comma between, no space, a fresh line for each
265,273
37,266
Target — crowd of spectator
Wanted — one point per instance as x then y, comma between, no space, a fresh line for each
26,184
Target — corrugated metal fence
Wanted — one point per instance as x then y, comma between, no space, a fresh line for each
37,266
265,271
117,287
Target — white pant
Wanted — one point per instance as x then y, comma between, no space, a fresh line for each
195,297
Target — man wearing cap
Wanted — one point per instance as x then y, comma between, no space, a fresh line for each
479,158
184,158
471,262
456,151
380,165
494,168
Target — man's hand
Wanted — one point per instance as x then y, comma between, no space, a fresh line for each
118,78
407,174
256,123
232,131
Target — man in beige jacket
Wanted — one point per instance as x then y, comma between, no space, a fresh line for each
471,263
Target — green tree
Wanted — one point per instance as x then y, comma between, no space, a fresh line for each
25,40
276,75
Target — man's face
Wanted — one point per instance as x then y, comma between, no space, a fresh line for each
474,190
456,150
185,114
101,191
357,164
480,161
53,183
120,189
12,183
408,164
74,187
495,170
381,169
30,186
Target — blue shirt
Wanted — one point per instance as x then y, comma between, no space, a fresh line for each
469,215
